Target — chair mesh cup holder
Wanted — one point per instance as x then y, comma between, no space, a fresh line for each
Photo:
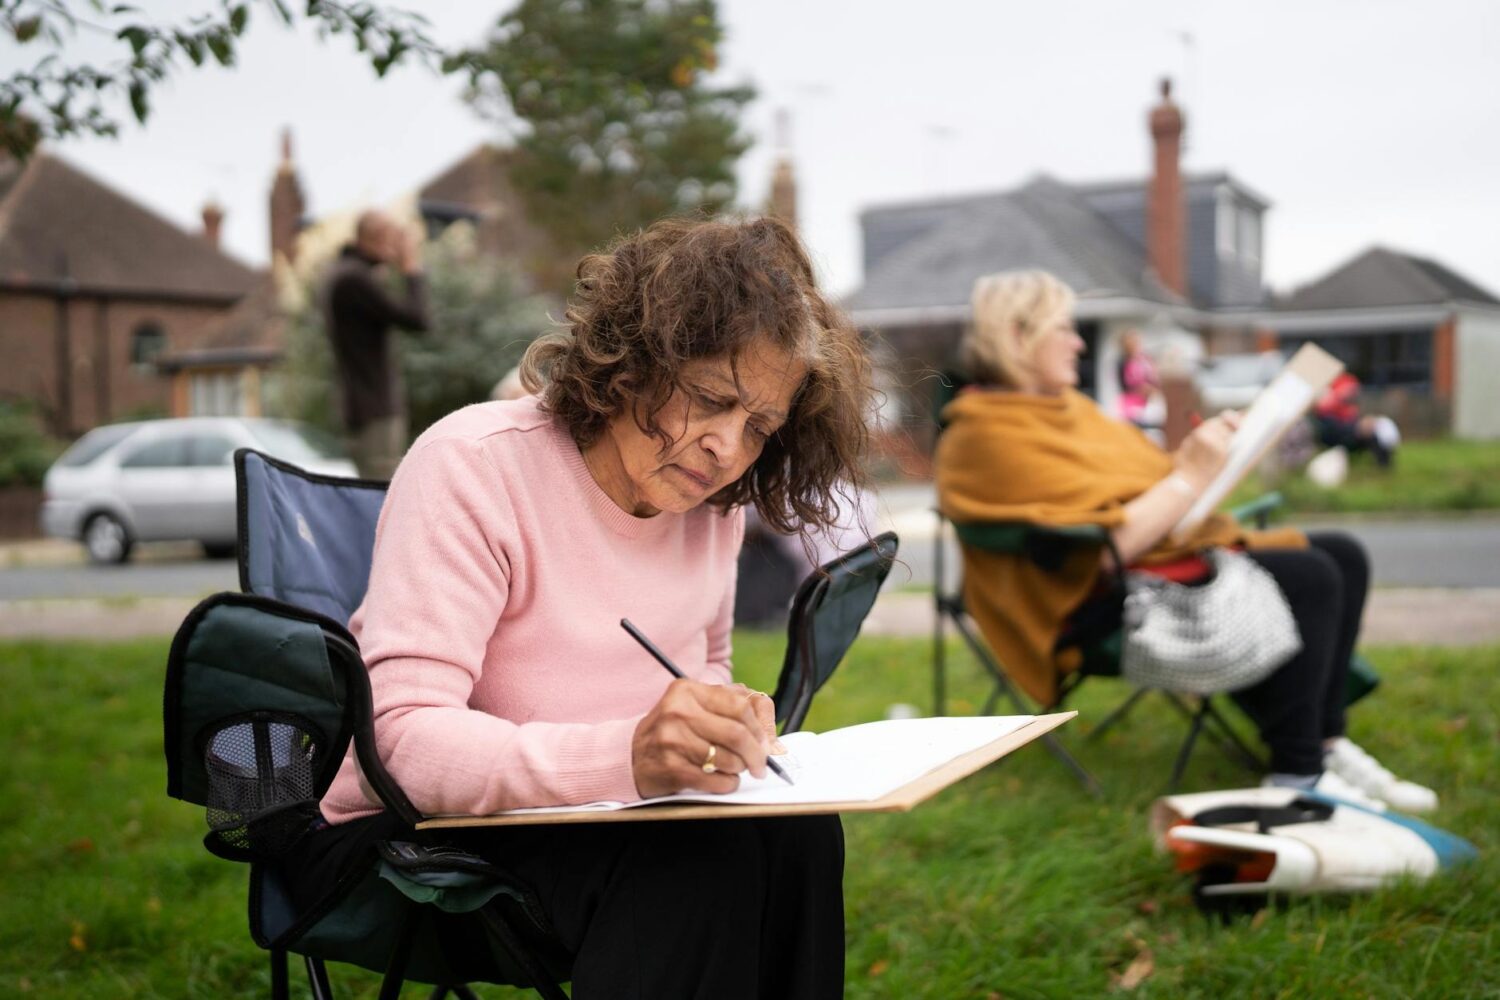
261,798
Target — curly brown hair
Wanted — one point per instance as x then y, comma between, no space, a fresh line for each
684,290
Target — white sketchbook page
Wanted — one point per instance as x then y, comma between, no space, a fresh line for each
1274,410
1279,405
855,764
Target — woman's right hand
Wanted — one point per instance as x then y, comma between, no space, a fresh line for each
672,741
1203,452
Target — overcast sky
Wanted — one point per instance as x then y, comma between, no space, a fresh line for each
1362,121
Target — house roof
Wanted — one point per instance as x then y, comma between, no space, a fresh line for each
1380,277
479,185
253,332
472,181
1043,224
53,214
1193,183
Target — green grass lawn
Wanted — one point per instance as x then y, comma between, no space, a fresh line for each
1010,884
1436,476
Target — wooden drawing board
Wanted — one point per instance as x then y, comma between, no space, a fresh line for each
902,799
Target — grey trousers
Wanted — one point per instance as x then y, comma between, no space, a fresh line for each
377,447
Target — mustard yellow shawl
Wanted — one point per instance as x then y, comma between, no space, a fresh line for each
1056,461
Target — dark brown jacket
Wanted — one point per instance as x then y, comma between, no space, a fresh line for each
359,315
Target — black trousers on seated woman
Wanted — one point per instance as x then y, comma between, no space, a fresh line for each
750,908
1302,703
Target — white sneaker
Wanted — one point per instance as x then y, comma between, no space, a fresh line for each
1335,787
1353,764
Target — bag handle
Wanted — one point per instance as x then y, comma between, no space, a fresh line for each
1267,818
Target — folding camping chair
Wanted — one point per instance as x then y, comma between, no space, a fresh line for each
266,690
1094,631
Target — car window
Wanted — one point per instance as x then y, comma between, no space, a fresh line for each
167,452
210,449
296,443
95,443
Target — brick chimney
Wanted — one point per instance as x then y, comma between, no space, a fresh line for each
213,222
287,206
782,203
1166,211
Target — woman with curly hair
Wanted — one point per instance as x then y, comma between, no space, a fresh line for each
700,371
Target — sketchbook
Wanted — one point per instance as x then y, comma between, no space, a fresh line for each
888,766
1279,405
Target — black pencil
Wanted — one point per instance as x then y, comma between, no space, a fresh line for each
672,669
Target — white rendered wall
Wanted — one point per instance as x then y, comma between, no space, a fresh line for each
1476,374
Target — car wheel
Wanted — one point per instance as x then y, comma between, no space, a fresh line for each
219,550
106,539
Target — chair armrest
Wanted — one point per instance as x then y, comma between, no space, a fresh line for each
1258,510
1020,536
1045,545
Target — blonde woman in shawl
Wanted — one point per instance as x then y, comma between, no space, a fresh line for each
1023,444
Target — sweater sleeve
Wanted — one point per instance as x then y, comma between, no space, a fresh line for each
438,585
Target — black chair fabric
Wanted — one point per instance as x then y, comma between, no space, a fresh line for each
827,613
276,668
265,692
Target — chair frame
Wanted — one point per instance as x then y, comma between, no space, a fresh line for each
798,676
1201,712
342,647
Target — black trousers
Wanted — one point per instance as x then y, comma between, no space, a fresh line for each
1302,703
1332,433
706,909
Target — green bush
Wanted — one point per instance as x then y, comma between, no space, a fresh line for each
26,451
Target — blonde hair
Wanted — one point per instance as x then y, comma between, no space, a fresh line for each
1011,310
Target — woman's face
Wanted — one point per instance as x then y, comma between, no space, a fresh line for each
1054,358
719,419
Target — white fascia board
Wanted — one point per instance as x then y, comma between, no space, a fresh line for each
1340,320
1113,307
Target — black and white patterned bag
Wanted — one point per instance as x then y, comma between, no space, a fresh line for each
1221,635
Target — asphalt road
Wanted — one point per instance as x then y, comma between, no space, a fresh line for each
1403,553
182,577
1406,552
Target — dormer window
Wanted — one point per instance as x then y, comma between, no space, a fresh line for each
1249,237
1225,219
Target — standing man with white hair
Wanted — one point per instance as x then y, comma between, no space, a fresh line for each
359,313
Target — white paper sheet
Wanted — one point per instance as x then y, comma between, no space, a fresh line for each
855,764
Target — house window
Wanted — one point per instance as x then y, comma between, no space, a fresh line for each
1388,359
214,394
1224,221
146,342
1249,237
1088,377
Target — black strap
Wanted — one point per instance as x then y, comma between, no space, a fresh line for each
1267,818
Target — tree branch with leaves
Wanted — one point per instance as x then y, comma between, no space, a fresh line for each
615,119
56,98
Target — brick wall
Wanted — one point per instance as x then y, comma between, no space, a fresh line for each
19,507
104,385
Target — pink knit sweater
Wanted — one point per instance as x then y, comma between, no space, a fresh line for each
500,673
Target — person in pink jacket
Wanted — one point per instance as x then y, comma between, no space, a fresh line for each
701,371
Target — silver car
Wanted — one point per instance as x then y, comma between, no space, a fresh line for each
158,480
1232,381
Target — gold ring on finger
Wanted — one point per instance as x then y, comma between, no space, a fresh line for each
709,767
